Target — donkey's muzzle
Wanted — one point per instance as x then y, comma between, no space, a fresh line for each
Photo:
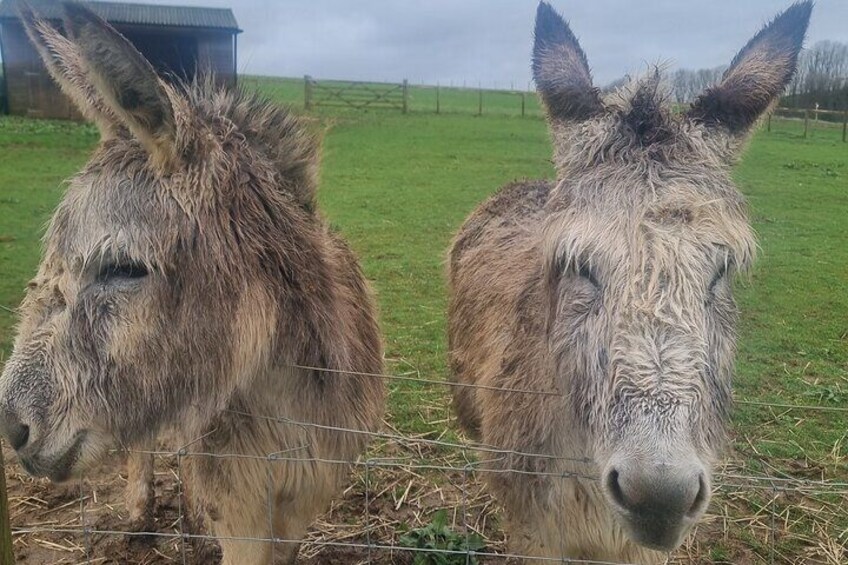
13,430
657,502
25,397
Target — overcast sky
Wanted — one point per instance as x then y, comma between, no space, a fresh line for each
489,41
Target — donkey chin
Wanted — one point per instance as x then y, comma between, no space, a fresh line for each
656,501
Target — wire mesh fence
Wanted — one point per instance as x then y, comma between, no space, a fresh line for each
419,498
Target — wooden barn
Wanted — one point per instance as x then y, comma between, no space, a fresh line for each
177,40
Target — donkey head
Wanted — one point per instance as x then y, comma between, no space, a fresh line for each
645,233
158,290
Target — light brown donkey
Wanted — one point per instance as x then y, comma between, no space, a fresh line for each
603,303
189,283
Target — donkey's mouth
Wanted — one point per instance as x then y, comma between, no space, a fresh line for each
659,534
59,467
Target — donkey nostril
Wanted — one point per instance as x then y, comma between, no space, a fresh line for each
19,436
614,488
700,498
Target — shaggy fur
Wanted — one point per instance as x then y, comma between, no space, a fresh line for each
186,281
611,289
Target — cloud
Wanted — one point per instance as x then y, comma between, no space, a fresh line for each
489,41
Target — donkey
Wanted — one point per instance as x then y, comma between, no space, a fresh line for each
189,283
601,304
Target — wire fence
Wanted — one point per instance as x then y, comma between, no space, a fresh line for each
420,98
805,122
416,498
406,97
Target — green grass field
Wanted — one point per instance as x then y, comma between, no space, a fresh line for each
398,186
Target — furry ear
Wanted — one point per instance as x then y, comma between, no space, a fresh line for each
66,66
126,81
561,70
758,74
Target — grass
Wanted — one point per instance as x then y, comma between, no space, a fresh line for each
35,158
439,536
398,187
794,345
399,197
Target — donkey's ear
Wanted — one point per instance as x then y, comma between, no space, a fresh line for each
125,79
758,74
65,65
561,71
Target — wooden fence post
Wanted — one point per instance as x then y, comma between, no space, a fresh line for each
307,92
405,96
479,101
437,99
806,122
6,555
845,125
523,103
768,126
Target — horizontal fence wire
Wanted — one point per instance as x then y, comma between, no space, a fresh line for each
274,540
417,463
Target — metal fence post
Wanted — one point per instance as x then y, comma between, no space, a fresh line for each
845,125
480,102
405,96
307,92
523,103
6,555
438,108
768,124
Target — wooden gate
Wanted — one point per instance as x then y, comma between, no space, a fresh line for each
353,94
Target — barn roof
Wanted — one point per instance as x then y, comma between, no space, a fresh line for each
133,14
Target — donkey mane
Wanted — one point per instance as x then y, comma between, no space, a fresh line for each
269,128
272,235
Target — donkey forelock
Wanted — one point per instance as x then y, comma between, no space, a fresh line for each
245,174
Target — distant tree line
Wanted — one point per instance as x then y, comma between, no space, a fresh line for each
687,84
821,78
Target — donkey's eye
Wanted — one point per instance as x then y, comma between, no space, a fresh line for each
122,271
585,272
720,274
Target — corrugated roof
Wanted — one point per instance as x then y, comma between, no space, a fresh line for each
137,14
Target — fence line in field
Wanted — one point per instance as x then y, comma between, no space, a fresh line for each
372,95
805,114
355,94
767,483
423,98
775,485
418,465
